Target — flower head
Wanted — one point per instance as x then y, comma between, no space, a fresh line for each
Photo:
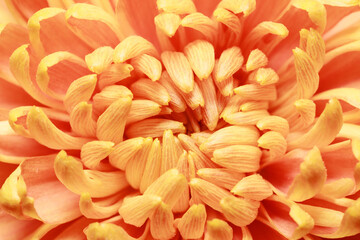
174,119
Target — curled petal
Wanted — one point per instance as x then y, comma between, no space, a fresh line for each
45,132
81,120
238,6
99,59
202,24
256,59
98,184
274,123
93,152
229,63
111,124
275,143
325,129
148,65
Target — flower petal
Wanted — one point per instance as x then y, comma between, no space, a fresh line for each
191,225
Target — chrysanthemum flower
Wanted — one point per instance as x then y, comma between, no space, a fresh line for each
174,119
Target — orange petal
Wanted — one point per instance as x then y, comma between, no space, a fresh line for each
254,105
232,135
246,118
240,158
153,166
226,87
274,123
136,210
154,127
229,63
218,229
239,211
111,124
256,92
208,192
238,6
202,24
79,90
253,187
115,73
93,152
82,19
330,121
148,65
306,75
53,202
209,111
201,56
71,173
125,151
131,47
99,59
312,42
222,177
264,76
168,23
193,99
50,77
179,70
163,217
178,7
191,225
169,186
81,120
275,143
45,132
311,178
142,109
46,41
229,19
170,154
145,88
135,167
256,59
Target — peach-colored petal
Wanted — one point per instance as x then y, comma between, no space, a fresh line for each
253,187
53,202
99,59
111,124
201,23
256,60
81,120
70,172
218,229
92,153
191,225
145,88
163,217
115,73
229,63
24,10
148,65
220,176
82,19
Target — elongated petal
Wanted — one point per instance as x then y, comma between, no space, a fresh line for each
153,166
179,70
220,176
179,7
125,151
93,152
325,129
97,210
163,217
98,184
111,124
256,59
81,120
45,132
229,63
192,223
168,23
99,59
201,56
145,88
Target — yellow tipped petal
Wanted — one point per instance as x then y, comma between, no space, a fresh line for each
201,56
325,129
314,45
179,70
169,154
98,184
218,229
169,186
316,11
264,76
349,95
202,24
99,59
93,152
239,6
125,151
162,222
191,225
240,158
306,109
241,212
256,59
275,143
115,73
105,230
193,99
229,63
306,75
136,210
135,167
176,6
154,127
153,166
232,135
133,46
148,65
98,210
168,23
257,92
311,178
246,118
80,90
208,192
229,19
226,87
222,177
111,124
209,111
253,187
274,123
142,109
81,120
145,88
254,105
45,132
177,103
